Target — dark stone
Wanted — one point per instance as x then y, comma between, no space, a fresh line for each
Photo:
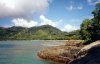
92,56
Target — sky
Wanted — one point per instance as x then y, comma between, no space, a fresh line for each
67,15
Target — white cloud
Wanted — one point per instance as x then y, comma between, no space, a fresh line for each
88,17
46,21
80,7
24,23
22,8
69,28
91,2
31,23
71,7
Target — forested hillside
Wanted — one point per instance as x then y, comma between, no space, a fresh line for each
45,32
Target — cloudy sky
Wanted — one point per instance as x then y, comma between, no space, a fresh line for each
67,15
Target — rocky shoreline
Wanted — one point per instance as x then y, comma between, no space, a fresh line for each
73,53
63,53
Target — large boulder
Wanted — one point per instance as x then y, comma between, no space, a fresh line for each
89,54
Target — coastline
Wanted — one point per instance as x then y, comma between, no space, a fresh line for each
62,53
73,53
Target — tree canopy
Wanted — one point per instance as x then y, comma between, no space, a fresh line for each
90,28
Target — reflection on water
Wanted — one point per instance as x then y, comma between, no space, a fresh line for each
22,52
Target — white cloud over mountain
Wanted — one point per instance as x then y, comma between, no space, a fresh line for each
46,21
24,23
69,28
31,23
22,8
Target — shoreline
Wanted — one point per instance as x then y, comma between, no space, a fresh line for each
40,40
63,53
73,53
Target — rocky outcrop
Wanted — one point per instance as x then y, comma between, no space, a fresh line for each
73,53
89,54
63,54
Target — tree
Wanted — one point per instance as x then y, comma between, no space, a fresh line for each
95,23
96,12
85,34
90,29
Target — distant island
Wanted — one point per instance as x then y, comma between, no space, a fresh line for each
45,32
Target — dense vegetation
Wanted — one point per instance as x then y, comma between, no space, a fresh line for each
90,28
45,32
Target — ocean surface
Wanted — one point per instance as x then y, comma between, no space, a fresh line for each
25,52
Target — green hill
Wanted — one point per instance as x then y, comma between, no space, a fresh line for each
45,32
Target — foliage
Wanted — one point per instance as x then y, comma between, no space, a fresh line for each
45,32
85,34
90,29
95,26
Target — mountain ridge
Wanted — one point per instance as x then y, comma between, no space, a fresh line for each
44,32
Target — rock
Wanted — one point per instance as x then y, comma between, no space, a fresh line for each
74,43
89,54
62,54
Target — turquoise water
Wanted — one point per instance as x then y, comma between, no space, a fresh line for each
23,52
